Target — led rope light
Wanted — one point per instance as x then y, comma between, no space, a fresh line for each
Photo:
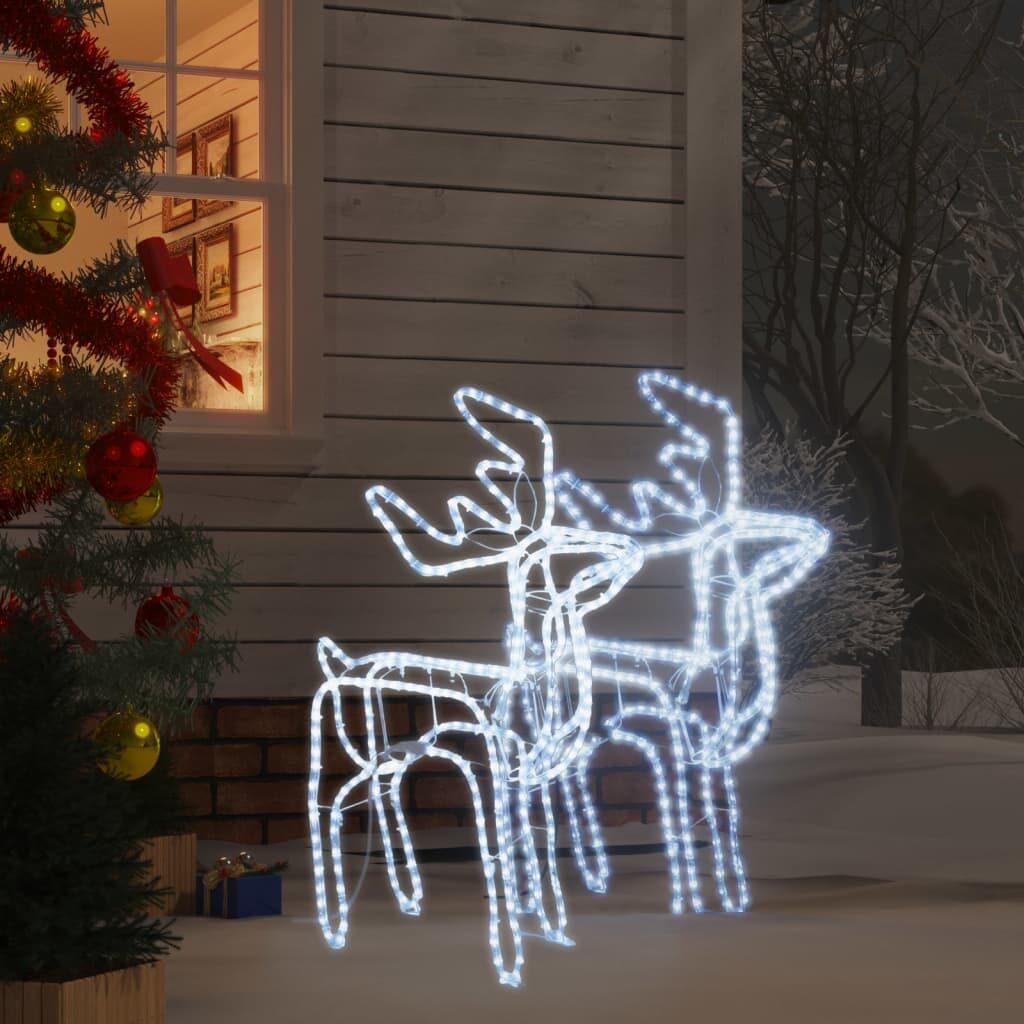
535,720
536,717
702,533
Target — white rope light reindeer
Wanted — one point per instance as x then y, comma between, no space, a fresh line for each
535,719
731,597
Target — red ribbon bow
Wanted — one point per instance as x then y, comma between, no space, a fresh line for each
173,280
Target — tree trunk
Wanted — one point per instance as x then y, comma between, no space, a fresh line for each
881,689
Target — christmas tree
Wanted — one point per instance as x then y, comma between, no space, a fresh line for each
72,900
80,502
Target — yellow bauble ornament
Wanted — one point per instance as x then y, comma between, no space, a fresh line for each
41,221
140,511
135,741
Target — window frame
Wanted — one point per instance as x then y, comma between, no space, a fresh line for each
288,433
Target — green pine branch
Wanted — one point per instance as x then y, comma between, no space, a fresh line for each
79,558
72,897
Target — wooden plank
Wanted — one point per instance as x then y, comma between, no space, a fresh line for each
654,17
383,615
83,997
453,330
503,219
270,503
399,100
290,558
173,865
418,388
379,449
232,42
409,156
51,1004
396,270
486,49
158,988
292,670
206,97
380,614
32,1011
12,1002
715,209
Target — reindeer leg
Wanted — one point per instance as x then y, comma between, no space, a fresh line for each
505,847
595,877
530,887
553,934
739,871
711,817
650,751
533,887
507,974
679,774
408,902
335,932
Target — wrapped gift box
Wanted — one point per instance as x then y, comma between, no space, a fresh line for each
254,895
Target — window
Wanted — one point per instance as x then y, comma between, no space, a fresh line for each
224,78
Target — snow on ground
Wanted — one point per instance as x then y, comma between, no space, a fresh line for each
888,883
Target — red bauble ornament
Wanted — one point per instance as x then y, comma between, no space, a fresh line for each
10,608
9,192
167,612
121,465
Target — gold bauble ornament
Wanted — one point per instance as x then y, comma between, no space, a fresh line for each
41,221
140,511
135,741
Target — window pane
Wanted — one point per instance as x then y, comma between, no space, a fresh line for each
134,29
152,88
229,318
224,115
219,33
223,240
15,71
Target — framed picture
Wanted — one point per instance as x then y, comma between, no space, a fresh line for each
214,159
179,212
215,257
185,247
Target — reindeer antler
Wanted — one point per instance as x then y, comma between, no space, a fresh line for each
467,515
652,500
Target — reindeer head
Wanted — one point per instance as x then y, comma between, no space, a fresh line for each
516,529
738,560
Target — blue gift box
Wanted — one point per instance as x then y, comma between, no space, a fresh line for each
248,896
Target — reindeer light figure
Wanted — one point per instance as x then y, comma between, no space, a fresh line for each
739,562
534,721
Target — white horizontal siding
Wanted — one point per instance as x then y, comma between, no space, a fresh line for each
506,207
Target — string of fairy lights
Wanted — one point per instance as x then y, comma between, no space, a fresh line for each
536,718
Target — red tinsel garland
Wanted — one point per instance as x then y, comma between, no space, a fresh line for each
31,28
67,313
37,30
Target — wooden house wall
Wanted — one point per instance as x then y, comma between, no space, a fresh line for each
506,206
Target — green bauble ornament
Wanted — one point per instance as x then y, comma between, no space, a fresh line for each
140,511
41,221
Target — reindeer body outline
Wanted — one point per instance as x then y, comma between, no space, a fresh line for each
520,763
663,692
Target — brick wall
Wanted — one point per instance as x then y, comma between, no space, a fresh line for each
243,766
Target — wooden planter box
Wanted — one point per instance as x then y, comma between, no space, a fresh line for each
135,995
174,865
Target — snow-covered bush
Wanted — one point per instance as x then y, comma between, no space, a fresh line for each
990,617
853,604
